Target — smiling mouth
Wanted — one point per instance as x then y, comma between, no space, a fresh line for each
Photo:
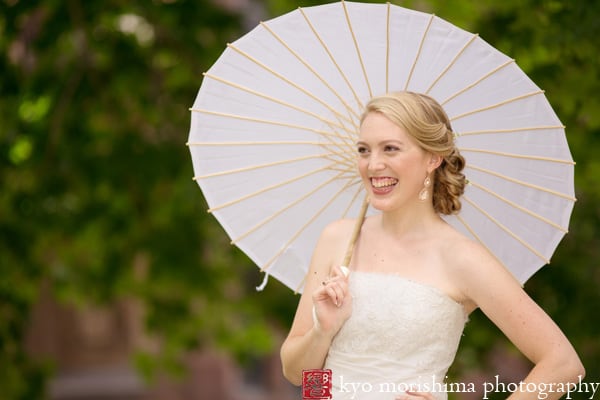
382,183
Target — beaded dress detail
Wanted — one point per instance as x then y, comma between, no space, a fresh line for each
401,332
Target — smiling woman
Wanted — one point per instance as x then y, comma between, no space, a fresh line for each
397,318
274,130
420,137
385,162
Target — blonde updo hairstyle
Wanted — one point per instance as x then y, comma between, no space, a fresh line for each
424,119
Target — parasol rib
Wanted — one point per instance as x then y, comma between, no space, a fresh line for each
344,144
350,177
520,208
261,143
511,130
387,49
344,77
274,100
327,135
460,52
293,84
522,183
311,69
513,155
284,209
508,231
266,165
358,53
268,188
344,159
499,104
414,65
478,81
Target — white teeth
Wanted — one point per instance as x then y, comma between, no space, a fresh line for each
383,182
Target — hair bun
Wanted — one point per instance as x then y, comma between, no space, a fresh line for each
449,184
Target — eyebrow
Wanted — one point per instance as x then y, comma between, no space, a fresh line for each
385,142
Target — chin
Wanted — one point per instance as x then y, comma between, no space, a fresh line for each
382,205
390,203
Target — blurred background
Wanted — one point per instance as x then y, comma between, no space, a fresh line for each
114,281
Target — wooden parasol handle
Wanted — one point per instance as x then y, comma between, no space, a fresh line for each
355,232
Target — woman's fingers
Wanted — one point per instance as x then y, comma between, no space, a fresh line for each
335,287
336,291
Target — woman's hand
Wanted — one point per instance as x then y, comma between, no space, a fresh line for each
410,395
332,302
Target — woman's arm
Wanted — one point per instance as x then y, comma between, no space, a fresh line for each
502,299
308,342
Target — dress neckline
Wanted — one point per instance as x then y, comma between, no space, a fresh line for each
427,286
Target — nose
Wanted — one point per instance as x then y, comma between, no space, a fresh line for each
376,163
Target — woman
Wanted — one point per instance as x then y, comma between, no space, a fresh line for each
390,329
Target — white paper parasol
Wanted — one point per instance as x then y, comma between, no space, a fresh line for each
274,126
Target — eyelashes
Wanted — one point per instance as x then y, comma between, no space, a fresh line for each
387,149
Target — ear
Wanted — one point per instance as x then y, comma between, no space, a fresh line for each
434,162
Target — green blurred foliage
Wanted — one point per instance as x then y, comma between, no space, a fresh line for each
97,198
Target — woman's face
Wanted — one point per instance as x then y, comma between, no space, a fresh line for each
391,163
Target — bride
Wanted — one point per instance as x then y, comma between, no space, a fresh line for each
390,328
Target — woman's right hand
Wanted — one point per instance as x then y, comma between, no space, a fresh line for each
332,302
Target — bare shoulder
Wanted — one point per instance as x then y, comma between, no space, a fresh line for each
475,271
333,243
336,237
466,254
339,229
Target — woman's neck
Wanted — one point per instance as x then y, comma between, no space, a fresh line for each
407,221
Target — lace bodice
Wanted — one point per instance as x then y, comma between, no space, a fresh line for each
400,332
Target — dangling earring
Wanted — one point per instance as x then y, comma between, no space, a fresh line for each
424,193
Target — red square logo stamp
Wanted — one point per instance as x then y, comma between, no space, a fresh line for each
316,384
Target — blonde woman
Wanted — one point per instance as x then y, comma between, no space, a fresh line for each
391,327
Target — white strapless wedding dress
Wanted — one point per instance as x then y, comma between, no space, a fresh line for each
400,333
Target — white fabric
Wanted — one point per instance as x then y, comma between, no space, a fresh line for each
401,332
